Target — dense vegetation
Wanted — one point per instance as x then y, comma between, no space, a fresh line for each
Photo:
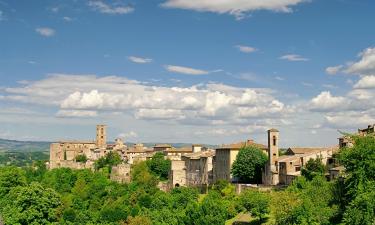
249,164
34,195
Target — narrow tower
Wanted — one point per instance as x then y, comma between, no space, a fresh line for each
273,148
101,136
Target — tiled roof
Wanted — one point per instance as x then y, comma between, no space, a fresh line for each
197,155
237,146
307,150
76,142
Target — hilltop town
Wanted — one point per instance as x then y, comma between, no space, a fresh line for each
197,165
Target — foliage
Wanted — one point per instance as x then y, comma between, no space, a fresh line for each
313,167
248,164
256,202
311,202
21,158
81,158
109,160
359,163
159,166
11,177
32,204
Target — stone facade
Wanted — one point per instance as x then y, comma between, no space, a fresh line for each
121,173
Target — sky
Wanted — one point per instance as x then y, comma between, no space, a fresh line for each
194,71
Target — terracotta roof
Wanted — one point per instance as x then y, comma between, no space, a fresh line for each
288,158
197,155
273,130
162,146
181,150
76,142
237,146
304,150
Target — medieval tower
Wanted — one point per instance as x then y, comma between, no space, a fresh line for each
101,136
270,173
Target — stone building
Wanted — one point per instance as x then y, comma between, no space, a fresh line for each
194,169
225,156
346,141
64,153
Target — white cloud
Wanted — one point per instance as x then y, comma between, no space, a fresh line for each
45,31
246,49
366,82
238,8
195,104
326,102
127,135
279,78
102,7
332,70
366,64
67,19
76,113
293,57
185,70
139,59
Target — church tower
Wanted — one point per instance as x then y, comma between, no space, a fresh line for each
273,148
270,174
101,136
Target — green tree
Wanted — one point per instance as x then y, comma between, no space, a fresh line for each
11,177
31,204
109,160
313,167
248,165
256,202
359,163
81,158
159,166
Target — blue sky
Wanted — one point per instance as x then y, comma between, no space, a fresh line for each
187,70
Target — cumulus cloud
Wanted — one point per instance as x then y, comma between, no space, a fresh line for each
76,113
102,7
366,64
45,31
366,82
293,57
77,95
326,102
185,70
127,135
139,59
246,49
332,70
238,8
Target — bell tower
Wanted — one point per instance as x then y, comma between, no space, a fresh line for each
273,148
101,136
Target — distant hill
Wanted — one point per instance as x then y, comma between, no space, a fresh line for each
24,146
41,146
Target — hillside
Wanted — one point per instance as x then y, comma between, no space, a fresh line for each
23,146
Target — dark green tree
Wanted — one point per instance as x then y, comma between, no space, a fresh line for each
313,167
159,166
11,177
81,158
31,204
256,203
248,165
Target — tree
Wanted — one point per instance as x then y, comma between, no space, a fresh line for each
313,167
81,158
11,177
109,160
159,166
248,165
255,202
31,204
359,163
137,220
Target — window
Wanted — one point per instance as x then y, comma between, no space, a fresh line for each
291,163
298,168
274,154
274,140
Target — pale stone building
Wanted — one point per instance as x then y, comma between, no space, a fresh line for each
194,169
226,155
64,153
